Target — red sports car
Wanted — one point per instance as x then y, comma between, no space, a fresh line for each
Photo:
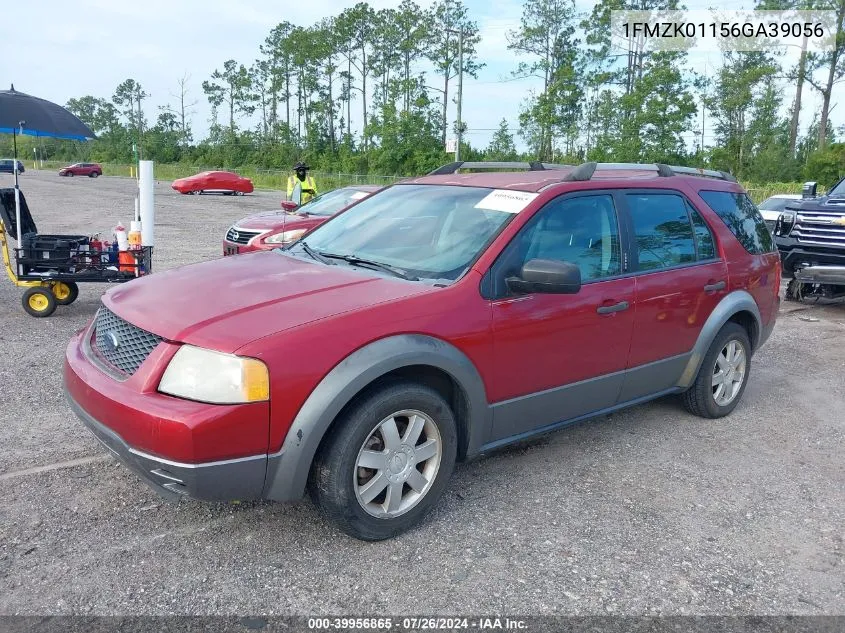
272,229
224,182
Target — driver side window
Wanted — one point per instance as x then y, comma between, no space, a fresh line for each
583,231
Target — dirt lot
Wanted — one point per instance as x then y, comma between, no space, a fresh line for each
649,511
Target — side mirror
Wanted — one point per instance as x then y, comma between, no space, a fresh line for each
289,205
809,190
547,276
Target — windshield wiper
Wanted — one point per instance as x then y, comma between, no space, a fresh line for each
315,255
354,259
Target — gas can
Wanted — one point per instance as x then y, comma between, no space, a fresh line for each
127,262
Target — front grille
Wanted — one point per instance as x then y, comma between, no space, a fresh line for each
822,228
240,236
121,344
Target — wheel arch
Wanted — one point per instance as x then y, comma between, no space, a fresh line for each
739,307
424,359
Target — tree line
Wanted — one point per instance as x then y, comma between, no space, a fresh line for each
366,91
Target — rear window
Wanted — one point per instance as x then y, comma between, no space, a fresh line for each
743,219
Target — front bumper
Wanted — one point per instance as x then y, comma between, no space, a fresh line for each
231,248
209,452
234,479
795,256
831,275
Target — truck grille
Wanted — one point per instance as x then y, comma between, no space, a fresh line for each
121,344
822,228
240,236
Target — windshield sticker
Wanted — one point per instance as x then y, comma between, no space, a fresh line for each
360,194
507,201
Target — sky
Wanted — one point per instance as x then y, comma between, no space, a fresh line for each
90,46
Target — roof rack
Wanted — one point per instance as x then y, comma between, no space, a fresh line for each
452,168
585,171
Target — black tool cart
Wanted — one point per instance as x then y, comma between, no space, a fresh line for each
51,266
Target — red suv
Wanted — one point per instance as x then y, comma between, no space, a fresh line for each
434,321
92,170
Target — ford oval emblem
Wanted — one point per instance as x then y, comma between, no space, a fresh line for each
111,341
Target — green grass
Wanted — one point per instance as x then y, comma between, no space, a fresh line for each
761,191
261,178
275,179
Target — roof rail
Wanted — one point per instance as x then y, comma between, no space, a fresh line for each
697,171
452,168
585,171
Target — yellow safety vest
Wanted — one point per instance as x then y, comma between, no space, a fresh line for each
308,183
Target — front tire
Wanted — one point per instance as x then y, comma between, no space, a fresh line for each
386,462
723,374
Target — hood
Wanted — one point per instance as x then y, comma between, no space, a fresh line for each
275,220
830,204
226,303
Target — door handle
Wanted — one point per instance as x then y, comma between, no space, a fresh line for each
617,307
714,287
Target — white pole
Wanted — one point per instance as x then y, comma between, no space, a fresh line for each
17,190
460,92
147,203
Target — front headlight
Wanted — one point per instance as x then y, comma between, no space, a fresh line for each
785,222
284,238
202,374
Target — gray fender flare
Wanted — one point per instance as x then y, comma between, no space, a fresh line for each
287,471
731,304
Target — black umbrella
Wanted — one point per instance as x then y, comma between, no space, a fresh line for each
24,114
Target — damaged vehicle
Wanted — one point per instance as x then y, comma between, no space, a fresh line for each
810,236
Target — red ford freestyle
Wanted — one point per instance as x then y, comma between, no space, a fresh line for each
434,321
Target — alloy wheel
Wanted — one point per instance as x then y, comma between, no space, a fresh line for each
729,372
397,464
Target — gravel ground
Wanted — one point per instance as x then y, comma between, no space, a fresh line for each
649,511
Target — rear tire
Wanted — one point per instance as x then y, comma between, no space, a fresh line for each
65,292
38,301
407,436
723,374
93,174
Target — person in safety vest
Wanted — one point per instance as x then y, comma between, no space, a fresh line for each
309,187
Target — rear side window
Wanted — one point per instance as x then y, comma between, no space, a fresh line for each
743,219
663,232
704,243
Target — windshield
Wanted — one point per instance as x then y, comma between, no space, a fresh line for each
838,188
429,231
331,202
775,204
